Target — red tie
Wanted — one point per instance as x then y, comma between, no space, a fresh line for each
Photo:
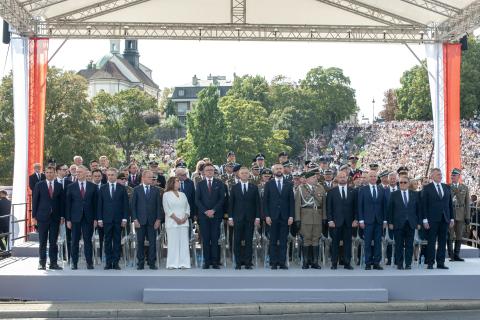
209,186
82,190
50,189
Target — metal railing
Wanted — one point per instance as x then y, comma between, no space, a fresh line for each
9,236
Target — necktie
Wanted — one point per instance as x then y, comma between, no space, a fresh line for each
405,201
112,191
439,190
147,193
244,188
182,187
50,189
279,186
133,178
343,193
82,190
209,186
374,192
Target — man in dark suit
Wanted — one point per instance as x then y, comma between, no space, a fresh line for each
5,208
279,210
47,214
341,216
243,214
188,187
209,199
437,217
134,177
36,176
146,214
81,215
112,213
403,216
371,213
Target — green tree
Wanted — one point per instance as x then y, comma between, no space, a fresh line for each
6,131
122,117
413,96
470,80
205,130
254,88
248,130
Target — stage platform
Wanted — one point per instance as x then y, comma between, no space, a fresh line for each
20,279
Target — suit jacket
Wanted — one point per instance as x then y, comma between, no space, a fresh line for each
138,180
278,205
162,182
189,190
5,208
77,207
214,200
112,209
398,213
342,211
437,209
146,209
371,210
244,207
33,180
44,208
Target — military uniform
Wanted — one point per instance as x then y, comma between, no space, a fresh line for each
461,210
310,211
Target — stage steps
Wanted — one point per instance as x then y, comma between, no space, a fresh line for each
26,249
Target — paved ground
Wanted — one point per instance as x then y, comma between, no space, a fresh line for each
438,310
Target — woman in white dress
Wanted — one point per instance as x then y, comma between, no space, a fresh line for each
177,211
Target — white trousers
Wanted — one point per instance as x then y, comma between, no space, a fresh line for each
178,253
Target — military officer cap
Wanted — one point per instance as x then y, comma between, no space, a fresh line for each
260,156
230,164
266,171
236,167
121,176
181,164
312,165
352,157
373,166
343,167
456,172
402,169
255,167
384,174
153,163
287,164
283,154
314,170
308,174
297,174
323,159
328,172
230,153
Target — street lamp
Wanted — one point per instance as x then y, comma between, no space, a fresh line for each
373,110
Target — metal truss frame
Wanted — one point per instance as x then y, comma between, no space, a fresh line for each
371,12
464,22
238,12
261,32
435,6
19,18
96,10
34,5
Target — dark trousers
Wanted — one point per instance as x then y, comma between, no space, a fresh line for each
404,244
343,232
48,231
68,233
243,231
437,232
101,238
113,238
210,232
83,229
373,232
278,242
146,231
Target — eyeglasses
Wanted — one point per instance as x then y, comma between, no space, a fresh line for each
403,182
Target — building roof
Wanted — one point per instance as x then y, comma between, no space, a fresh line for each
192,89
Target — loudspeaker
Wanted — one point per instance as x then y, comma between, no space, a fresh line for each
464,43
6,33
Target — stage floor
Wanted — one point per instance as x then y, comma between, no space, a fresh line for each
20,279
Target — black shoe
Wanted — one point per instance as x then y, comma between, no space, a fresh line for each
249,267
206,266
368,267
430,266
377,267
108,267
153,267
216,266
457,258
408,267
305,266
400,267
74,266
333,267
116,266
389,262
348,267
140,267
55,267
316,266
442,266
238,267
283,267
274,267
41,267
90,266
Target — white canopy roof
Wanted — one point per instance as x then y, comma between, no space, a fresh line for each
308,20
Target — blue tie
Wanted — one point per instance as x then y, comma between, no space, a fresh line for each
374,193
279,186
